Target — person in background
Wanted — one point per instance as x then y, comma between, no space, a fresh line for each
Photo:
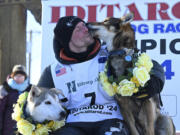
79,59
10,90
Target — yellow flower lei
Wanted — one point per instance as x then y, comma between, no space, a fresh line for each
27,128
137,77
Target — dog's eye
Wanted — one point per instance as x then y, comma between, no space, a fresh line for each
48,102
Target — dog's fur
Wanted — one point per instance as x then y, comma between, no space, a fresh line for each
43,104
140,116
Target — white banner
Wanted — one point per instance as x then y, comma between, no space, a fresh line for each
157,26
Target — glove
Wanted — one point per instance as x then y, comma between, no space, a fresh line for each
153,87
3,92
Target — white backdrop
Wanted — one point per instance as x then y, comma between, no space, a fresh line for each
157,26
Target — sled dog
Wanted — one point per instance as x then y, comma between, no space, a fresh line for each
43,104
142,117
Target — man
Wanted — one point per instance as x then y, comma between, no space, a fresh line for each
80,58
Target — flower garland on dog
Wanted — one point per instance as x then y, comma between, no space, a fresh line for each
25,127
136,79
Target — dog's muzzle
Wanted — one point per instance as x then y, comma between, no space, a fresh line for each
90,27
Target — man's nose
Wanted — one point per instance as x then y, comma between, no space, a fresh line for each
85,29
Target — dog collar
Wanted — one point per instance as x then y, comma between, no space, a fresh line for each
118,52
121,53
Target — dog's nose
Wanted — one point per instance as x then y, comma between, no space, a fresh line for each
63,114
89,26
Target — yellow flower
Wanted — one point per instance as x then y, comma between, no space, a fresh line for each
126,88
39,125
54,125
51,123
22,98
134,80
58,124
106,85
145,61
103,77
18,108
141,75
109,89
115,86
24,127
43,130
135,90
16,115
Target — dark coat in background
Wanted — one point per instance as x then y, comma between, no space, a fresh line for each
7,125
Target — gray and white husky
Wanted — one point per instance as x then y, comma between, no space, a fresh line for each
44,104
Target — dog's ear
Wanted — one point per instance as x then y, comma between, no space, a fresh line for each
35,91
57,91
127,18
